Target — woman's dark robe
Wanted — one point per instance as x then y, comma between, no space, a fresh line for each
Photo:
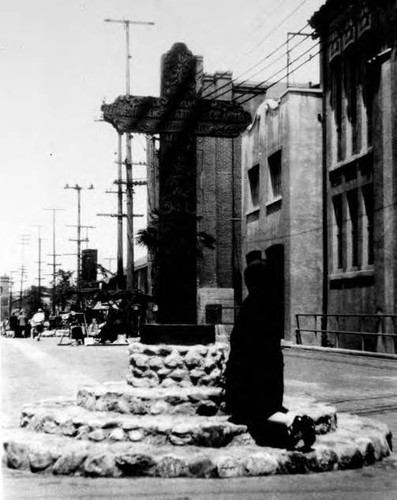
254,374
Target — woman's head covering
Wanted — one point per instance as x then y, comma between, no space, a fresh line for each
255,274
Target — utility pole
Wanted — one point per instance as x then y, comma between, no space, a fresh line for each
290,35
24,240
54,256
78,188
39,239
86,239
120,268
128,161
11,285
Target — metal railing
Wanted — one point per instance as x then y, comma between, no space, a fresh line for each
375,332
221,314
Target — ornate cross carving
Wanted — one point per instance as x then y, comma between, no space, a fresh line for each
179,115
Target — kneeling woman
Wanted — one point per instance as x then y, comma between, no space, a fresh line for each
255,370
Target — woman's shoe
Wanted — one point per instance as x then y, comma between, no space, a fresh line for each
301,433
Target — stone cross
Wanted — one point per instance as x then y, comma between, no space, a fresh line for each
179,115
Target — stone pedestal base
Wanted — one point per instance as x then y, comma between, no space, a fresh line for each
177,334
168,420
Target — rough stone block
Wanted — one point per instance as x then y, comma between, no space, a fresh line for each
367,450
229,466
171,466
68,429
173,361
261,464
202,467
156,363
102,465
164,372
139,360
322,459
136,436
193,359
180,374
207,408
97,435
136,464
349,455
16,456
293,462
68,463
40,459
168,382
159,407
117,435
184,409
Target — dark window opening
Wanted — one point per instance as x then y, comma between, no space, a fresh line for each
275,174
338,211
253,177
368,195
337,105
352,200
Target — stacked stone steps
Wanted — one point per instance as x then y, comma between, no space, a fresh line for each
357,442
123,398
168,421
188,400
177,425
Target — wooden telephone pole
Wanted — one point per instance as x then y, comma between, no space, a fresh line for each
128,161
39,262
54,257
79,240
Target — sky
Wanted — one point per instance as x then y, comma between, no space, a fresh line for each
59,61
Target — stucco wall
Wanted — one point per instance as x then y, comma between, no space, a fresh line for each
293,221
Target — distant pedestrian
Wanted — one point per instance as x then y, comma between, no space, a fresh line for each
255,369
22,322
13,323
76,329
37,323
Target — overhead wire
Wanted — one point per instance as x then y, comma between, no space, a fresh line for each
280,24
235,80
261,84
271,64
261,23
265,58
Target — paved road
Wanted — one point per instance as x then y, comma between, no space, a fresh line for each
368,386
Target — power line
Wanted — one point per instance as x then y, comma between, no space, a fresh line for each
311,56
275,61
259,24
254,66
266,37
261,84
234,80
281,23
